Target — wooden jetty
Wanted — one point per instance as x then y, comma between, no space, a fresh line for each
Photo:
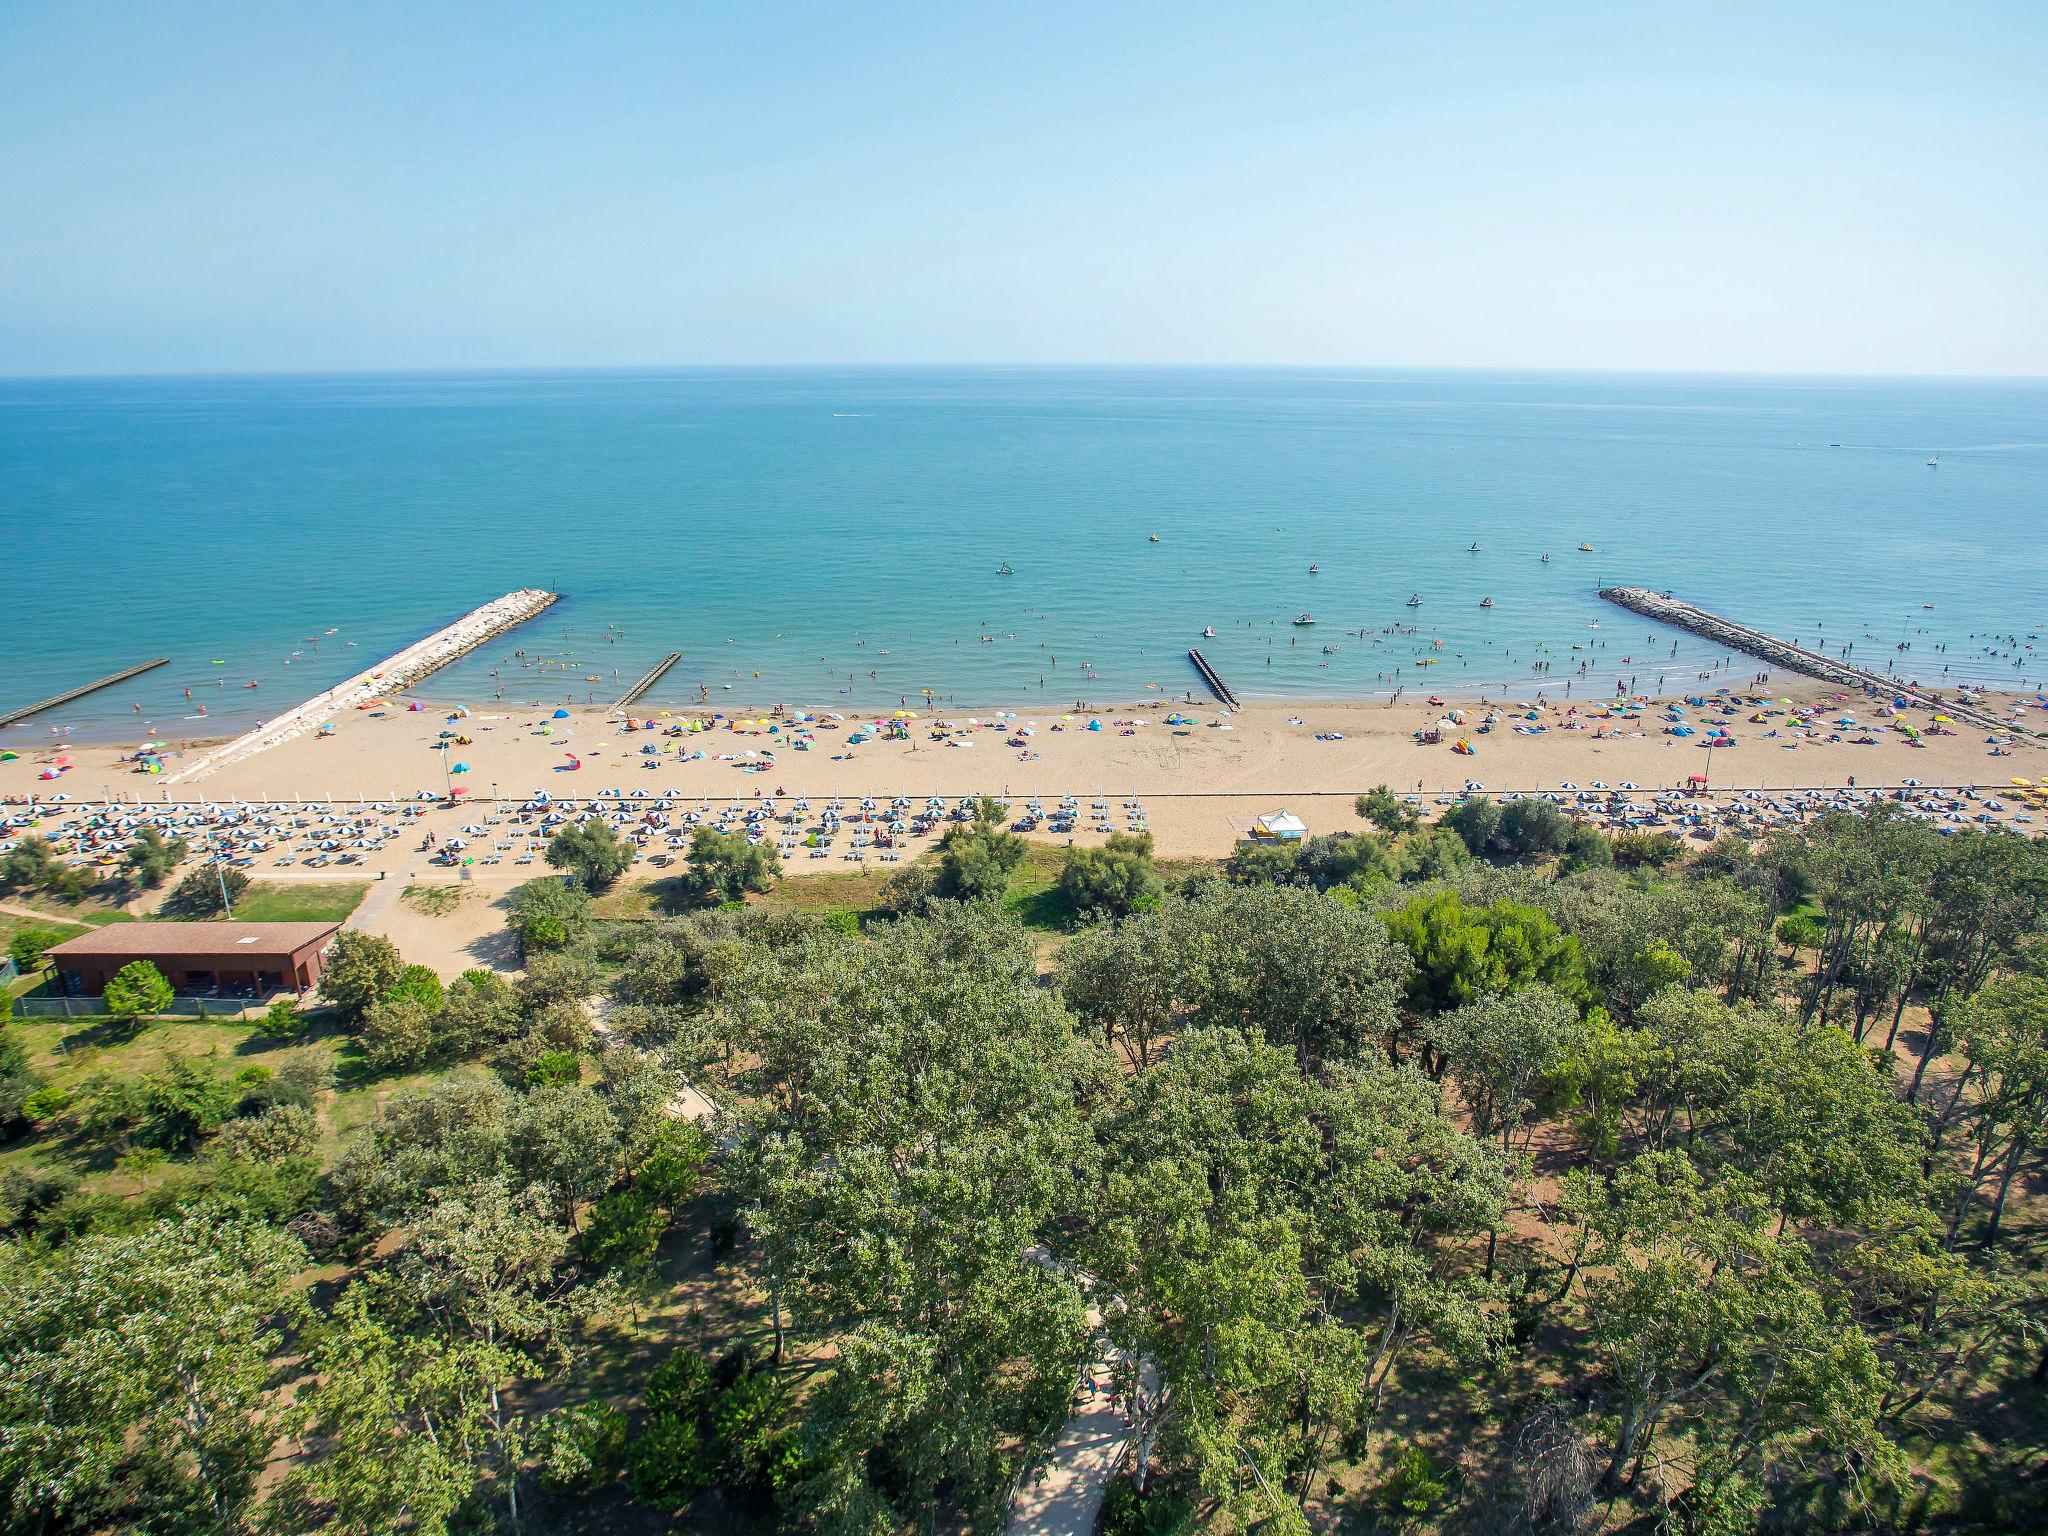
78,693
1696,620
1209,675
632,694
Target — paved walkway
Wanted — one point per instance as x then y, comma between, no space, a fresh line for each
1063,1499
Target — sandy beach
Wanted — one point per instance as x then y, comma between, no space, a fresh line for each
1202,781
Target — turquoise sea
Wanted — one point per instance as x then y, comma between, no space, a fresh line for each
818,525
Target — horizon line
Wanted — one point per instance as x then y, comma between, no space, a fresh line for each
485,370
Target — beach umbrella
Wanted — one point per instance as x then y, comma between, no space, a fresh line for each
460,768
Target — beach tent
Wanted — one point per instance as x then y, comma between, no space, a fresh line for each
561,714
1283,825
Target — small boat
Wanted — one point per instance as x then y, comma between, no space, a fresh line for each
1935,462
1304,621
1486,602
1585,549
1004,570
1546,559
1155,538
1473,547
1313,569
1415,601
1208,632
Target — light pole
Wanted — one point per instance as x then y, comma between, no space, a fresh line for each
220,873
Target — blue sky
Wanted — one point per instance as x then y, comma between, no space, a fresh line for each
1856,187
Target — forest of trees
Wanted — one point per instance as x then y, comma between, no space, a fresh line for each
1473,1177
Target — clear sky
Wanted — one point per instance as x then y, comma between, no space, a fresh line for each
1844,187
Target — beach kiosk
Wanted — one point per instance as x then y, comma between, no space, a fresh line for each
1278,827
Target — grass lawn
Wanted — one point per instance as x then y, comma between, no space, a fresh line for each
297,901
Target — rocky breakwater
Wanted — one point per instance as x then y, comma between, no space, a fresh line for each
392,675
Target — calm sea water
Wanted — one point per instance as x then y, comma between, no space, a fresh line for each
814,526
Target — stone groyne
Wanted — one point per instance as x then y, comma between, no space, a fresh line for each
393,675
1696,620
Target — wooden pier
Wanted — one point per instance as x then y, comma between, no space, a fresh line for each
1209,675
1696,620
78,693
632,695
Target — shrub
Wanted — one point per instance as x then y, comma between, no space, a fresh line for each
1415,1486
551,1068
1800,931
1474,819
679,1387
419,984
1111,881
283,1021
667,1463
137,989
976,857
1264,863
1530,829
183,1104
579,1448
45,1104
1343,859
280,1132
1653,850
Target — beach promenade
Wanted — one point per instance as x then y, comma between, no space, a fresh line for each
388,678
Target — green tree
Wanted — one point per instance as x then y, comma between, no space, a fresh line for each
29,945
563,1137
591,851
135,1394
362,969
183,1103
1388,811
724,866
1345,859
911,1123
397,1034
481,1011
1530,829
137,990
1475,819
410,1424
1112,881
199,894
549,914
151,858
1463,952
976,857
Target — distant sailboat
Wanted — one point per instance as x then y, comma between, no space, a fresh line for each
1473,547
1546,559
1486,602
1313,569
1935,462
1209,632
1415,601
1586,549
